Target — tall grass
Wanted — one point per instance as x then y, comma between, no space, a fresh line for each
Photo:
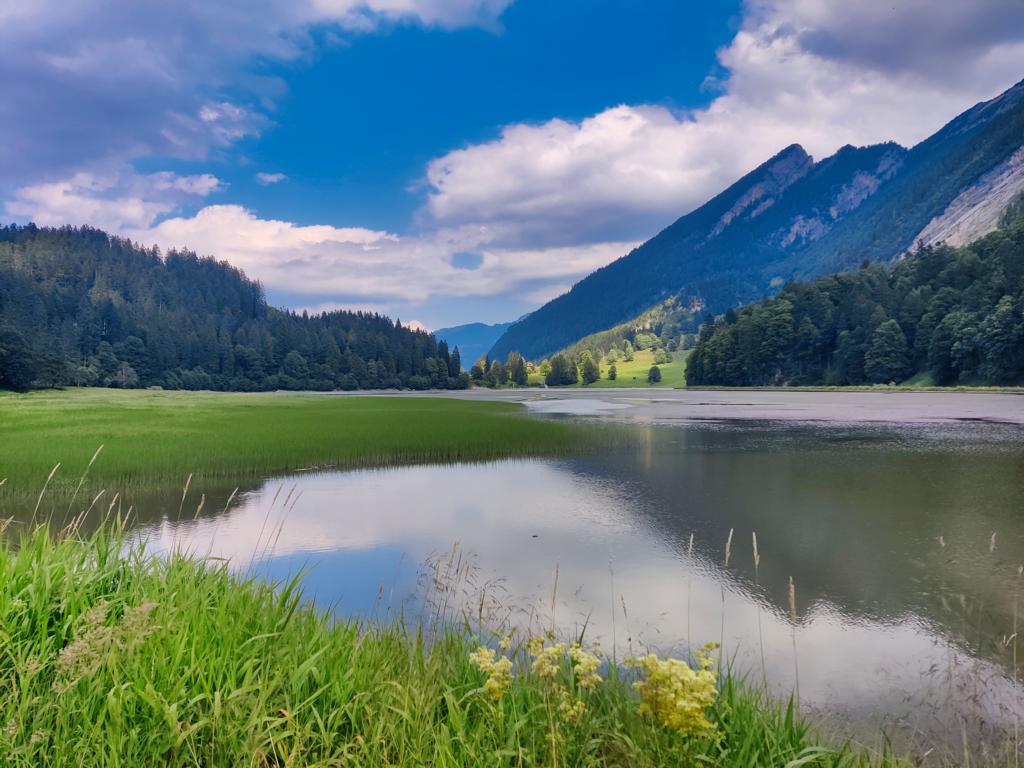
154,438
112,657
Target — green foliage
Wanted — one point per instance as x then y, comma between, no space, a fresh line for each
654,375
886,358
955,313
563,372
78,307
660,327
589,372
114,658
18,363
516,368
613,372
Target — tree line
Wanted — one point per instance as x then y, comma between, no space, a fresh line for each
81,308
952,315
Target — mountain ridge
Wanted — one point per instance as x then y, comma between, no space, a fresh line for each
794,218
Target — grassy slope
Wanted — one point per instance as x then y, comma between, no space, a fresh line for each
154,437
111,658
634,373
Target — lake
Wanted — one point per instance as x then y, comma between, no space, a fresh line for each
903,544
896,517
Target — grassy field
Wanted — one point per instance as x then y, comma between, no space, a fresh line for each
112,658
634,373
162,437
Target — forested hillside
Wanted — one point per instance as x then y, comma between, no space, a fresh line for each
954,314
78,307
663,329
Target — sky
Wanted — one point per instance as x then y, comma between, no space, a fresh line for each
453,161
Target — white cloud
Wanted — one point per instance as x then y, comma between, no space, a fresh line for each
367,269
91,81
266,179
116,201
819,72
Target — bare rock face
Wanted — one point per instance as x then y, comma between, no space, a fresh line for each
977,210
863,185
808,226
787,169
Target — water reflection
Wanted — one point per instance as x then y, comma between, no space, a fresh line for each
905,602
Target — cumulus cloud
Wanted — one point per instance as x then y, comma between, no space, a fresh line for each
819,72
117,201
371,268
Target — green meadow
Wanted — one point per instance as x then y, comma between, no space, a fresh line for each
634,372
111,658
158,439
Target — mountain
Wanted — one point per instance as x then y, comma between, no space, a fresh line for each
78,306
472,339
942,315
794,218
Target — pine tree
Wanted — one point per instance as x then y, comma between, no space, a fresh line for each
455,363
588,369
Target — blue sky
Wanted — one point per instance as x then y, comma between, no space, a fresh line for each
449,161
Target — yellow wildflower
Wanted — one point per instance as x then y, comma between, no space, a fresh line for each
548,661
585,666
498,670
506,642
569,708
676,694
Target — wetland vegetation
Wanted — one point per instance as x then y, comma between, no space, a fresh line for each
160,438
138,660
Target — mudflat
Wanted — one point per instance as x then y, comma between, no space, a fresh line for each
836,406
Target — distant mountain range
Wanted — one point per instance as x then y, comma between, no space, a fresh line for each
794,218
472,339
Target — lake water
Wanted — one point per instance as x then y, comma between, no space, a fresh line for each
903,543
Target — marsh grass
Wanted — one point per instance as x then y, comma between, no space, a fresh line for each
112,657
154,440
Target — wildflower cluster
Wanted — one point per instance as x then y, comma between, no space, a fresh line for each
548,665
549,660
498,670
676,694
585,667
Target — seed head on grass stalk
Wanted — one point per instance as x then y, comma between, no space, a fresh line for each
793,619
721,642
760,631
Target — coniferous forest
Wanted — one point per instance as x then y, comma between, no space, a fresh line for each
81,308
950,315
